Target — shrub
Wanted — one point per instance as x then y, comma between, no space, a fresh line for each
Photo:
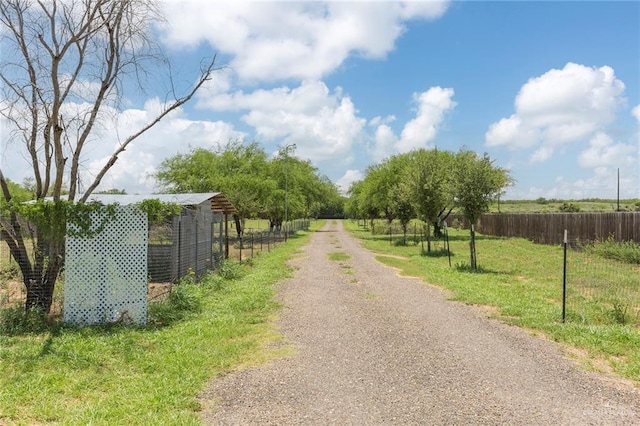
569,208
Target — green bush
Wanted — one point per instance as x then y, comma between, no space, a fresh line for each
569,208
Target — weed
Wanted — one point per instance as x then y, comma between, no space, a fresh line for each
465,267
619,312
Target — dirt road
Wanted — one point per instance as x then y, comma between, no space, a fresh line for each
375,348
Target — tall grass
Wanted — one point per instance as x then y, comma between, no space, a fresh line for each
623,251
518,282
145,375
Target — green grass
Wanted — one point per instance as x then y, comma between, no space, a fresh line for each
144,375
339,256
519,283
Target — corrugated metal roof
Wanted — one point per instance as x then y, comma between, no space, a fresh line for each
219,203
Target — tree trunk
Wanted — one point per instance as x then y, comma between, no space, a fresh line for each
40,270
40,278
238,222
472,247
404,233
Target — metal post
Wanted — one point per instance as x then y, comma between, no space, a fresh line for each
226,236
618,209
564,278
446,236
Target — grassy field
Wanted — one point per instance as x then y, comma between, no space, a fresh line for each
148,375
553,206
519,283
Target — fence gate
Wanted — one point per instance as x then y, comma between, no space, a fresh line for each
106,276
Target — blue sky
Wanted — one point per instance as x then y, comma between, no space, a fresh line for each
551,90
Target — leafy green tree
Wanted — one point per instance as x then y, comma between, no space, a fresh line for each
403,205
255,184
239,171
431,175
352,205
20,193
64,67
477,182
360,205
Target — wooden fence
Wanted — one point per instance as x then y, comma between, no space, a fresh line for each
548,228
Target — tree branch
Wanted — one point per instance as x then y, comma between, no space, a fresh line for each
205,76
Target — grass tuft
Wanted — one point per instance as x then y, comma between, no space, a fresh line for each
339,256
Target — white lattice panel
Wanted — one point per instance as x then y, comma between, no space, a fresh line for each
106,276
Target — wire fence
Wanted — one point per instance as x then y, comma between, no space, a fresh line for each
186,246
597,289
255,241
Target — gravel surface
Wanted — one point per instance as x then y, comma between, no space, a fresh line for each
374,348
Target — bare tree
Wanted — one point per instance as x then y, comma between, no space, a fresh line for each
64,68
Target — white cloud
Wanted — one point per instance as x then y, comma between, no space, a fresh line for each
384,142
559,107
322,124
603,152
270,41
636,112
431,107
350,176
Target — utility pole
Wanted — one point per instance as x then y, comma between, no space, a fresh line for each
618,209
286,150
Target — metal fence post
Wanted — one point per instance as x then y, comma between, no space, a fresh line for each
564,278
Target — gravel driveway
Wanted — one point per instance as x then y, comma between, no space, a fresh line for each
374,348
